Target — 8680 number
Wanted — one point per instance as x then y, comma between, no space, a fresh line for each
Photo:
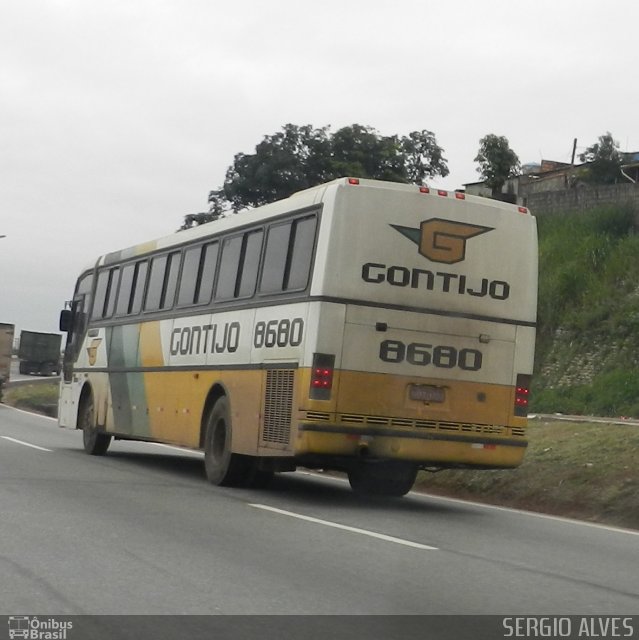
423,355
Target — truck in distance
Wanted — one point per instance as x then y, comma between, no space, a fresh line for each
39,353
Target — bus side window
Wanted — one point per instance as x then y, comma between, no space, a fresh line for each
105,293
206,276
170,284
139,281
288,255
252,248
162,282
299,262
189,277
100,295
229,265
109,307
275,258
124,294
156,284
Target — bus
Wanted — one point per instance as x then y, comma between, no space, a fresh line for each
364,326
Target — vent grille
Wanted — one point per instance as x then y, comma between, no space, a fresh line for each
278,406
435,425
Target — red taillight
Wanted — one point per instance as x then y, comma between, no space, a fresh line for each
522,395
322,376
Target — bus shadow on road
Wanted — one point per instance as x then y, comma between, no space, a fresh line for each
301,489
306,489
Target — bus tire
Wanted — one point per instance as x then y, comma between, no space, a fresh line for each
391,479
223,468
95,442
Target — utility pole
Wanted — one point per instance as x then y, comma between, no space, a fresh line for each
574,150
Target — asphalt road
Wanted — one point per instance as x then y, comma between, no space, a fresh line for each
139,531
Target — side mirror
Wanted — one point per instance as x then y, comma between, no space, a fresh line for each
65,320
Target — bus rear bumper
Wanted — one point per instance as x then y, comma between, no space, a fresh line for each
425,449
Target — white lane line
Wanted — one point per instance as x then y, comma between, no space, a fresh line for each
483,505
26,444
191,452
343,527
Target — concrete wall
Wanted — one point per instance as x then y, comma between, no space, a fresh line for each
583,197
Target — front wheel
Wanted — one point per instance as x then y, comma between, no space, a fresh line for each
223,467
382,478
95,442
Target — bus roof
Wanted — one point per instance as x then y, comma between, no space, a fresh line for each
299,200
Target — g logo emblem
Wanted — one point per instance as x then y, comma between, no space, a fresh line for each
445,241
442,240
92,350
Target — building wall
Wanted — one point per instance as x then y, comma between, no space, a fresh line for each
583,197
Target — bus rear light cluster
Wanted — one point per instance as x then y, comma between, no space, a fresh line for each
522,395
322,376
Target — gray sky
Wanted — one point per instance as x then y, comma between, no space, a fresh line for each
117,118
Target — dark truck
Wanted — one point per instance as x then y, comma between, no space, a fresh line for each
39,353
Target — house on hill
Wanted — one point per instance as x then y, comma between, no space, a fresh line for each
550,176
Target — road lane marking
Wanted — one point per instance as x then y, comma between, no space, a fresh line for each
191,452
343,527
484,505
26,444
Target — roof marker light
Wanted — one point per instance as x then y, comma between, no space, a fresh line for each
424,190
460,196
522,210
353,181
441,192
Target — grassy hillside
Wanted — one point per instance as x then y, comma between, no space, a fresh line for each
587,359
584,471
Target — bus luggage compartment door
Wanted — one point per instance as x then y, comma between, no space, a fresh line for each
418,365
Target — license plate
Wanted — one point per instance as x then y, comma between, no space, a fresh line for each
426,393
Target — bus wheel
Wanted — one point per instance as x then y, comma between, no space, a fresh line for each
392,479
95,442
223,467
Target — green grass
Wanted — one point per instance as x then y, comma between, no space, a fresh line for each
587,356
585,471
40,398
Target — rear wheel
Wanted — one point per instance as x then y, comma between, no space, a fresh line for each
223,467
95,442
382,478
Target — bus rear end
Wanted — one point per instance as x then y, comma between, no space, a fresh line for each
426,307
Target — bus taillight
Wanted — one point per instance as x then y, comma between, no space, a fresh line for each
322,376
522,394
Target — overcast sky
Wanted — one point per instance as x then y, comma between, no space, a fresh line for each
118,117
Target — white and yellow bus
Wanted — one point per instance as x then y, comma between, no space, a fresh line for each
370,327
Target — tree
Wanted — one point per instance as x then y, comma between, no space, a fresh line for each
497,162
604,161
300,157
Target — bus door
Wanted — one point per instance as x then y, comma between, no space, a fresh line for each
74,322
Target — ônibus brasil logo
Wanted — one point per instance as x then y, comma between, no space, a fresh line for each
38,628
442,240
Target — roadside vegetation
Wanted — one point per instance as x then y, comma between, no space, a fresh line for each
577,470
39,398
587,356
